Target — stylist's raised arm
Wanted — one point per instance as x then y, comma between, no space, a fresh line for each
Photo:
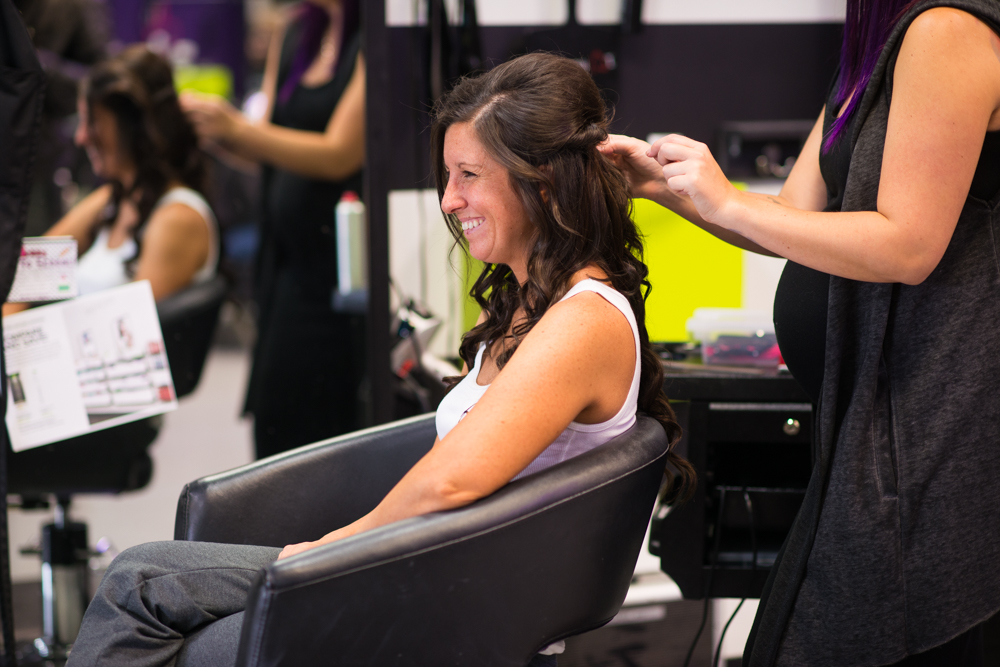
331,155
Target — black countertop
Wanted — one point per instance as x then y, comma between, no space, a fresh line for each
687,381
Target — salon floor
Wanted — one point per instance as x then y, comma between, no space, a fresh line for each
204,435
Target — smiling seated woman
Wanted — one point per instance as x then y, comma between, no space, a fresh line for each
560,359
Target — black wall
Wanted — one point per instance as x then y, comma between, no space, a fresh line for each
686,79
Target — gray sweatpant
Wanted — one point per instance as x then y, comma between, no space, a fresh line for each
177,604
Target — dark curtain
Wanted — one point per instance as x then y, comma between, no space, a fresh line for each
22,85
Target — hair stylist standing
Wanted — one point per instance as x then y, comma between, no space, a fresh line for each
890,220
306,366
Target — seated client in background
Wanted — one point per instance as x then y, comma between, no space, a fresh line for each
559,361
150,220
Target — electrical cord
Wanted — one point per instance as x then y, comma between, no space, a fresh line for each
711,571
753,572
718,647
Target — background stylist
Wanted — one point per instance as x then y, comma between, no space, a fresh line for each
306,365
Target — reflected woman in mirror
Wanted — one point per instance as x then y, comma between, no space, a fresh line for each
150,221
308,359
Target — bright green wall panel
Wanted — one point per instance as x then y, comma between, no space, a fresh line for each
208,79
688,268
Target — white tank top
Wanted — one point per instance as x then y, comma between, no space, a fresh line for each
577,438
102,268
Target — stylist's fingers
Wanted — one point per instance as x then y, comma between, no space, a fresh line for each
700,178
212,116
641,171
195,108
665,140
619,144
203,106
682,177
674,147
681,185
626,152
190,101
678,139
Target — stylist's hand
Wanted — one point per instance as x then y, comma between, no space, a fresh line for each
214,119
644,174
690,170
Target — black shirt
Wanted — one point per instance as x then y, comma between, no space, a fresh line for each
800,302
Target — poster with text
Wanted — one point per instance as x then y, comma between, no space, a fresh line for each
84,365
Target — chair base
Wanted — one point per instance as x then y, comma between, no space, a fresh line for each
29,655
46,651
65,594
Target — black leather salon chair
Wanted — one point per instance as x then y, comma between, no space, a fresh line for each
110,461
544,558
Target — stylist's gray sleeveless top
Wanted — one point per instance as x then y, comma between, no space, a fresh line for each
897,546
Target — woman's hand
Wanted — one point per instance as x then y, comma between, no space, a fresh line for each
293,549
339,534
214,119
690,170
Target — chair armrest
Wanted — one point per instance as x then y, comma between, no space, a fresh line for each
305,493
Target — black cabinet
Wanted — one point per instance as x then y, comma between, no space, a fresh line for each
749,439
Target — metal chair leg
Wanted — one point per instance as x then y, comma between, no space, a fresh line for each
64,583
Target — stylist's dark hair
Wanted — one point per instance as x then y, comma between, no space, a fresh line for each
137,87
867,27
314,20
541,116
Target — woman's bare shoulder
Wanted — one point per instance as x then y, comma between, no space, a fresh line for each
177,228
949,27
952,53
592,322
588,309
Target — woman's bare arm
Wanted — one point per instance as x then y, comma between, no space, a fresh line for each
82,221
577,362
334,154
946,96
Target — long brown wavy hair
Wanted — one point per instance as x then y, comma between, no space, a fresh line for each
137,87
541,117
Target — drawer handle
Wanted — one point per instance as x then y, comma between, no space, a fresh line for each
791,426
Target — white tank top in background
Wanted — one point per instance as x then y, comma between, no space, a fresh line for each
577,438
102,268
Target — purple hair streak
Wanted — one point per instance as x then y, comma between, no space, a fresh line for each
866,29
314,21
